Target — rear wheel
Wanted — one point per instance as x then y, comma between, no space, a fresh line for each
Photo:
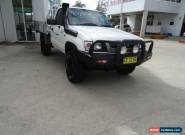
74,69
126,70
45,46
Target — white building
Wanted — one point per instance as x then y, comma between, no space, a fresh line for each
16,18
150,16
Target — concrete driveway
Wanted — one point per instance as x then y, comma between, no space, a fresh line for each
37,99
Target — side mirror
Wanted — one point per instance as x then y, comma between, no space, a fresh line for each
51,21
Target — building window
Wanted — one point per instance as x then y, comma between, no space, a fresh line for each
159,23
177,1
116,2
150,20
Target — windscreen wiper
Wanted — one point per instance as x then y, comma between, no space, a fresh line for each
109,26
89,24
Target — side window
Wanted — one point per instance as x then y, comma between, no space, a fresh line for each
59,17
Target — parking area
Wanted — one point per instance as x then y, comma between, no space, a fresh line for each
37,99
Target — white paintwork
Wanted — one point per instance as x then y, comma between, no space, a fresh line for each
58,37
153,29
87,33
93,33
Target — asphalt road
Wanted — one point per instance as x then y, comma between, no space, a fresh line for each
37,99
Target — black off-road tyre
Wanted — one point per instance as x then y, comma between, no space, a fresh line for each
45,45
74,69
126,70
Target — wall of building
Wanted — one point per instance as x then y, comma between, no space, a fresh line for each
165,20
127,7
135,22
161,23
2,37
166,27
180,18
177,18
8,30
40,9
162,6
140,5
166,11
8,20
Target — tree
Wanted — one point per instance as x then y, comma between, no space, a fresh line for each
78,3
102,5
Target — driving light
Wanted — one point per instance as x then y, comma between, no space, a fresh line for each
97,46
123,50
136,49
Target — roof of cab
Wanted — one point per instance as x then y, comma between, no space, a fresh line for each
81,8
84,8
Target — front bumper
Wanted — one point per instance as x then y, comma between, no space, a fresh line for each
109,60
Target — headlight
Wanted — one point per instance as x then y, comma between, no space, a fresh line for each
98,47
123,50
87,45
136,49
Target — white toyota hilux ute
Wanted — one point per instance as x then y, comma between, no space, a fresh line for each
89,41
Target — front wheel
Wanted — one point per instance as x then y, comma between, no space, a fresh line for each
126,70
74,69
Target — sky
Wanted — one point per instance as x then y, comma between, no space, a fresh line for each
90,4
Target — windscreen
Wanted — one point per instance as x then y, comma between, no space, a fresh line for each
86,17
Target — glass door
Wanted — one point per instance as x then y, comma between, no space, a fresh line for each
24,20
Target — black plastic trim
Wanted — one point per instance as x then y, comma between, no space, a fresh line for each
115,59
69,31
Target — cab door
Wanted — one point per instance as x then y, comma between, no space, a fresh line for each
57,32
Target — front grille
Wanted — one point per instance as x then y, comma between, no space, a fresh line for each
113,46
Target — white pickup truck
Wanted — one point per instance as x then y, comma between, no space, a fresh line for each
89,41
